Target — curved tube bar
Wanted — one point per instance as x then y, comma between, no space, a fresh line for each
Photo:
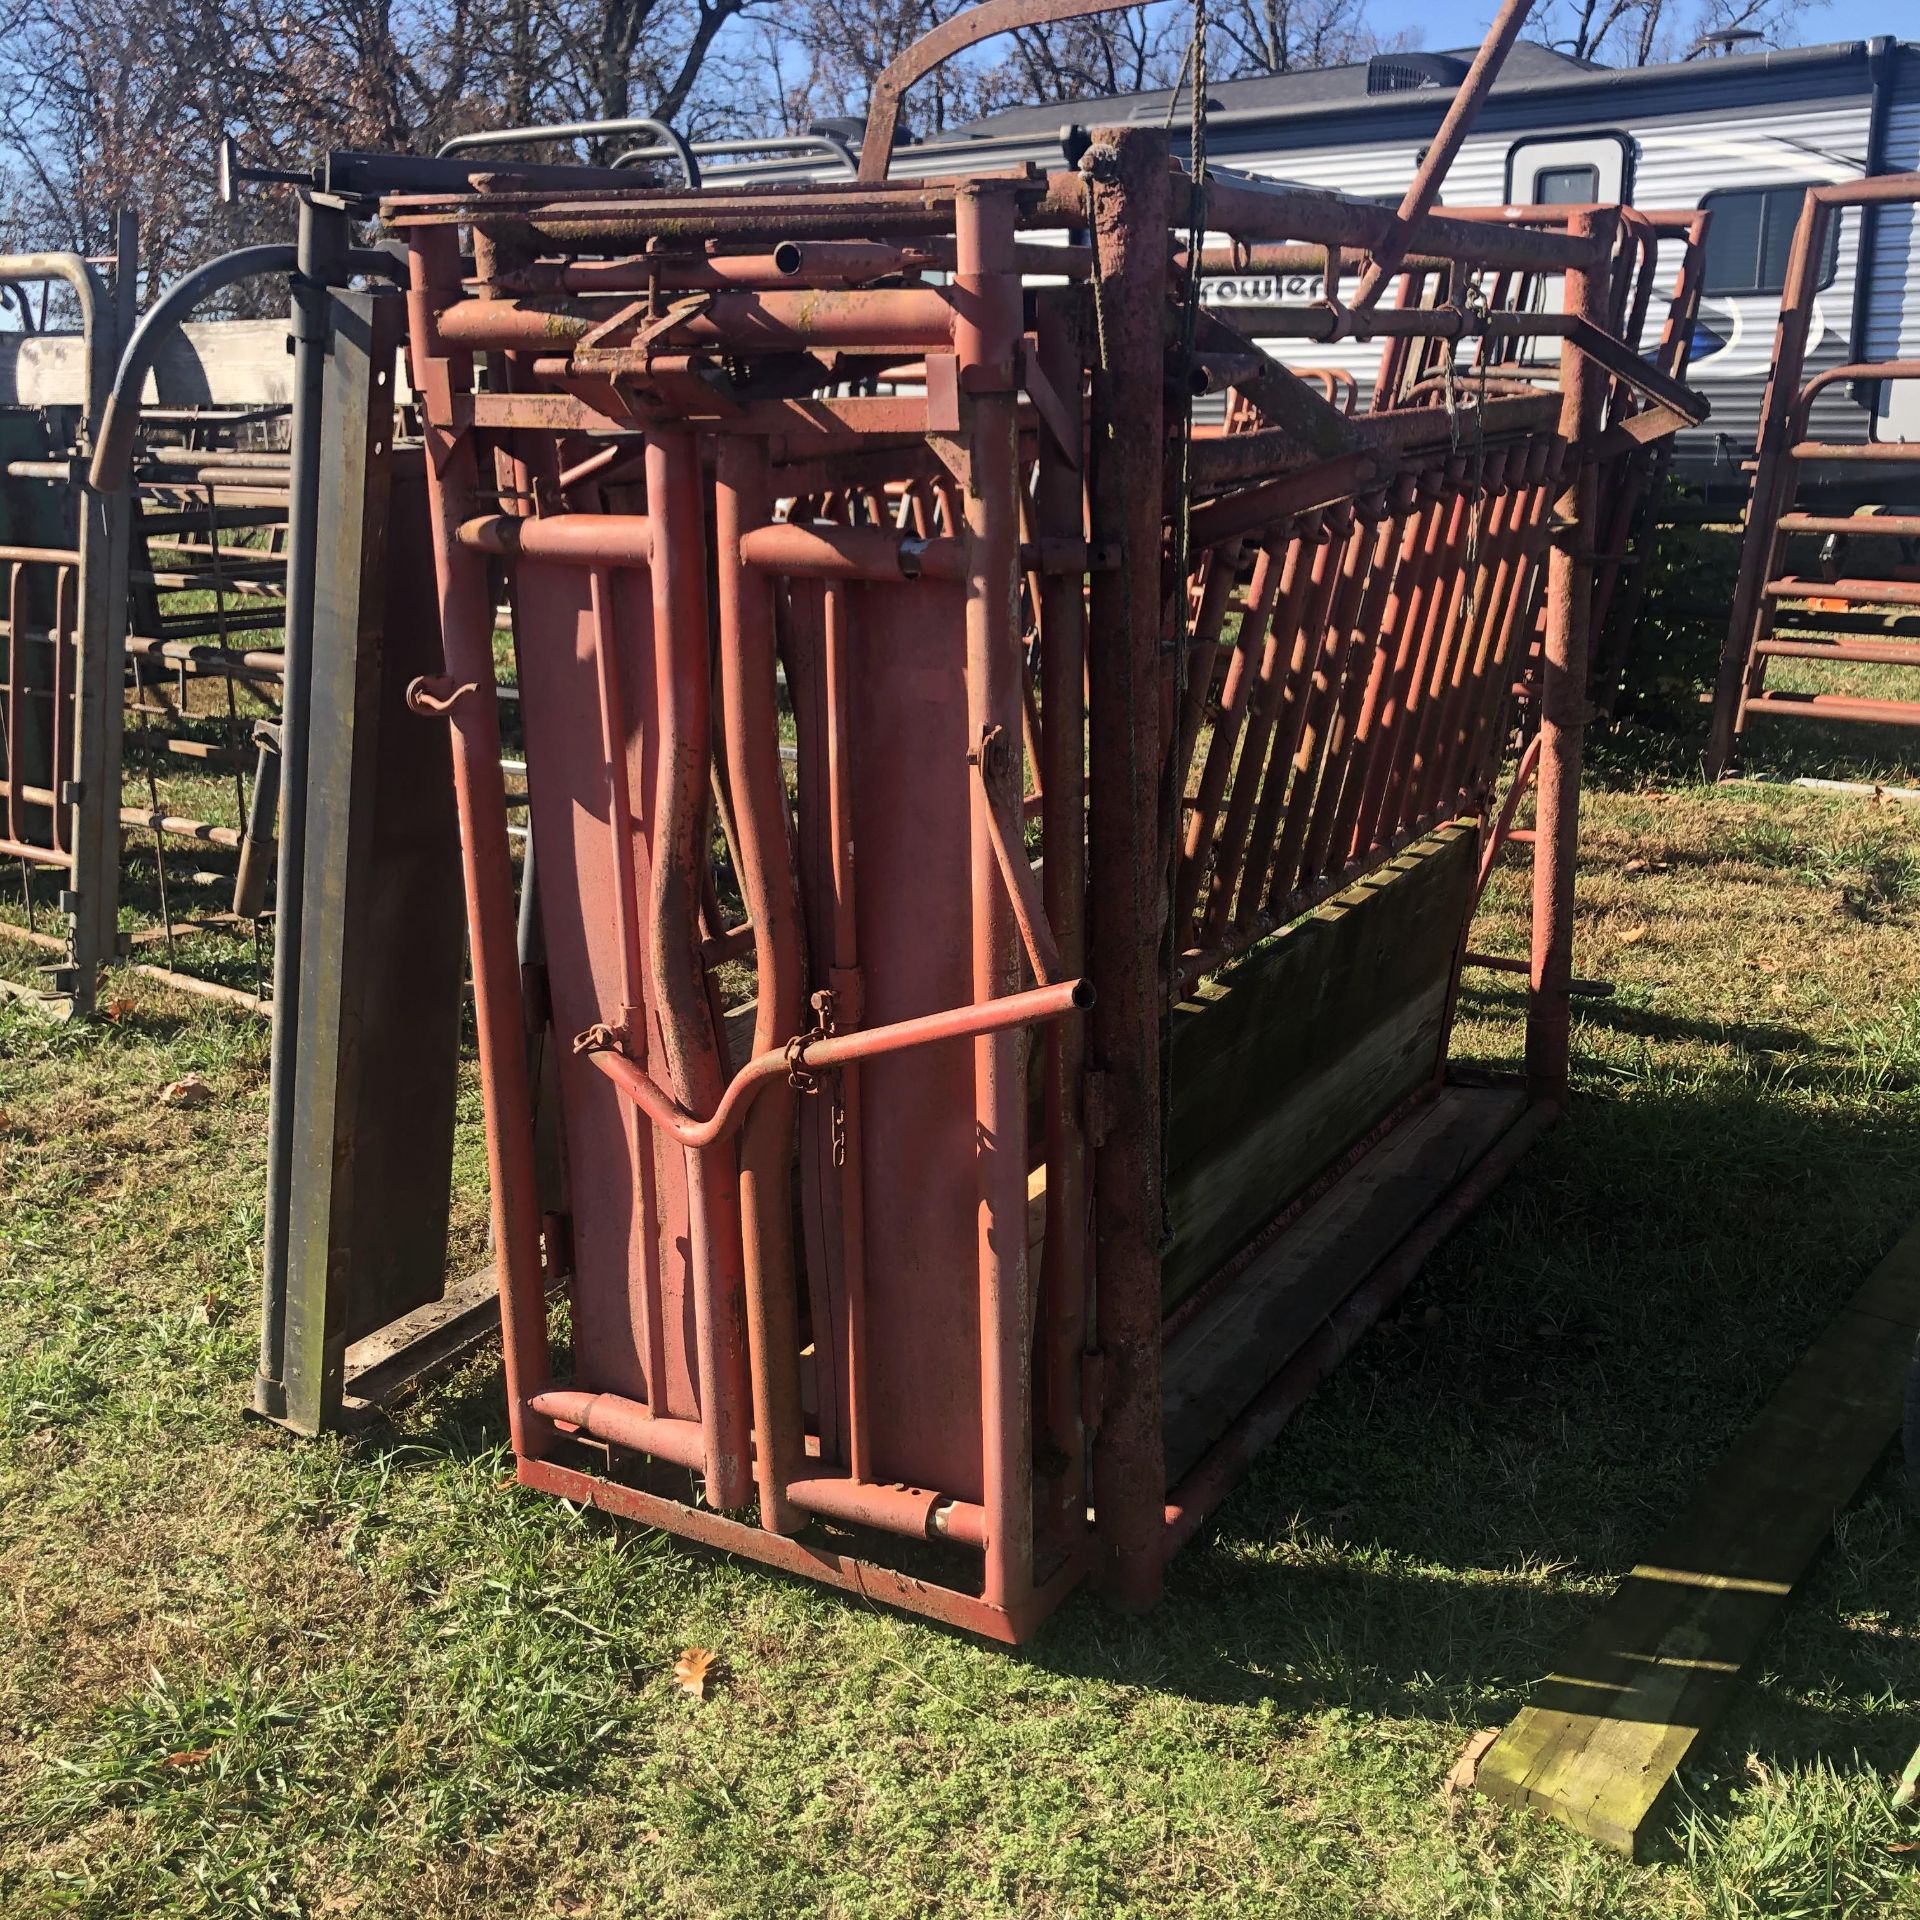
669,141
803,1056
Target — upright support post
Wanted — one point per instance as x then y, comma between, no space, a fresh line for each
1128,173
466,628
106,519
987,344
321,264
369,1108
1563,691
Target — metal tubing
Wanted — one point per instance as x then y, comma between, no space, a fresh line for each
624,1423
776,321
805,1055
1059,510
828,551
694,1062
843,969
987,337
743,498
1563,697
466,627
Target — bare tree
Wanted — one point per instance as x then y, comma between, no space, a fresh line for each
1290,36
1639,33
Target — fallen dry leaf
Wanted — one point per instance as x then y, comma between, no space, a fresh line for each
1632,936
191,1758
187,1092
1466,1769
694,1669
116,1009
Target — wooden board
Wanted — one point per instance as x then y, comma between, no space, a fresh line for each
1236,1343
1601,1741
1281,1063
206,363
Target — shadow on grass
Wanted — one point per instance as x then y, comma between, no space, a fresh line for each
1447,1512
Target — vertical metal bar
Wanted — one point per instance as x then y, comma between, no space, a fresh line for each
986,342
743,499
682,688
1563,690
65,617
1292,573
100,665
844,971
466,626
1127,168
1242,671
322,244
1060,512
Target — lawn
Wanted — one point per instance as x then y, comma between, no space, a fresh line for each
252,1675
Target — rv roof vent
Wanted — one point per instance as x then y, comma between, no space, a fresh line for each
1405,72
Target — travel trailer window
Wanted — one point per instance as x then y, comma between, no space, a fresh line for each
1570,170
1566,186
1751,234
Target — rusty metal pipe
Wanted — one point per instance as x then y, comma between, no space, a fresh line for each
742,496
913,1511
624,1423
844,972
987,343
1059,511
573,539
829,551
689,1043
1563,699
1128,182
466,623
805,1056
875,318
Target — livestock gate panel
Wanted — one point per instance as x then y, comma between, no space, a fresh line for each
1826,578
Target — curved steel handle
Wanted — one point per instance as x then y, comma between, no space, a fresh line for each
576,130
119,420
934,49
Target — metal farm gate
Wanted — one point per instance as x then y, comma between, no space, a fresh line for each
1005,858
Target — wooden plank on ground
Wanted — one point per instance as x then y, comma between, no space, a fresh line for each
1603,1737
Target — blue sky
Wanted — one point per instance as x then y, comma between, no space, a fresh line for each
1454,23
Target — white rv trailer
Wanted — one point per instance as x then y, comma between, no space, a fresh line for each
1741,135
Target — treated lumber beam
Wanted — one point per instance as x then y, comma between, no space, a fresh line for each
1604,1736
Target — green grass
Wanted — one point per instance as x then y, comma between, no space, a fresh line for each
250,1675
